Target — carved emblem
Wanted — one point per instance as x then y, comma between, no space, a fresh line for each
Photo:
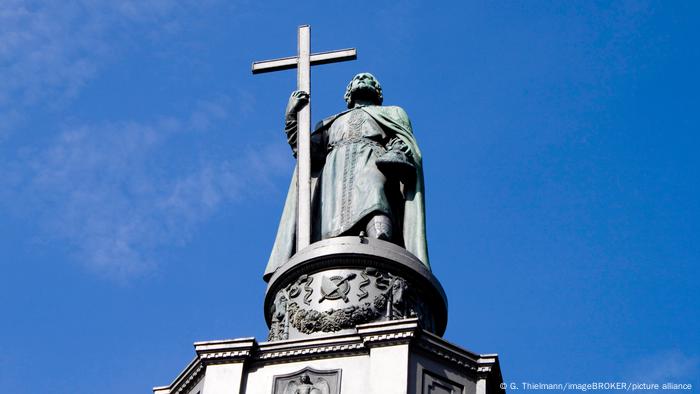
336,287
308,381
304,386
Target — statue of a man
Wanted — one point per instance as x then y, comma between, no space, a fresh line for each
367,175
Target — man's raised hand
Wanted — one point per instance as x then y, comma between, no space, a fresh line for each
297,100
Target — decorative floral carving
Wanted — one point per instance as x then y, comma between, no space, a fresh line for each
311,321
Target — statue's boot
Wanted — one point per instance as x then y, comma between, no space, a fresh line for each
379,227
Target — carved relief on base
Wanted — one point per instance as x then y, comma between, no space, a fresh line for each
340,299
307,381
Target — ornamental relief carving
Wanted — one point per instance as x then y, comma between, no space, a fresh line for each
308,381
365,296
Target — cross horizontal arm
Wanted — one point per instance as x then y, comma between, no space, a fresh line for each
340,55
287,63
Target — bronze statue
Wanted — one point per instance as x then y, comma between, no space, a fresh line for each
367,174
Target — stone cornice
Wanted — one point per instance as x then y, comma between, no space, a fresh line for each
208,352
191,380
311,352
367,336
185,380
481,364
227,350
388,332
249,350
327,346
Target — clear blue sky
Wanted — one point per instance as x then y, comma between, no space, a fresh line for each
143,171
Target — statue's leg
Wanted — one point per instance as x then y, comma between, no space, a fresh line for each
379,227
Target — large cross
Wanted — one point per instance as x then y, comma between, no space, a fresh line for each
303,62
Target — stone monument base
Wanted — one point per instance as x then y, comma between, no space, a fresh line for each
388,357
336,284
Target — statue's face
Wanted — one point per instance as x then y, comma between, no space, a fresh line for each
363,81
364,87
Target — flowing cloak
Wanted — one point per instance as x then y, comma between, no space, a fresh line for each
394,121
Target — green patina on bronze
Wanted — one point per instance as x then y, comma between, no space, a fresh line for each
365,161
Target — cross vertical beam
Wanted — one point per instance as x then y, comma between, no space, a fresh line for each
304,140
303,62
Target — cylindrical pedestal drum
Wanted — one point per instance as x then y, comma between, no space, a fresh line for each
335,284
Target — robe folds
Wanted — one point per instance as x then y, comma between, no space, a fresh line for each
343,193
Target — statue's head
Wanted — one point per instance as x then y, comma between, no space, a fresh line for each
305,379
364,86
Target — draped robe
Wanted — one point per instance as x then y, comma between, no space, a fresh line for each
347,186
